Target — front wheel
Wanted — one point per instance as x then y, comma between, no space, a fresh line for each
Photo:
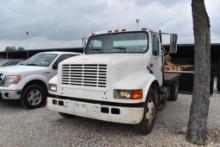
33,96
147,123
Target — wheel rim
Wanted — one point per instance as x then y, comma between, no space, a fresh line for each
150,112
34,97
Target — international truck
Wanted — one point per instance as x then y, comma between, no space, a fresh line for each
119,78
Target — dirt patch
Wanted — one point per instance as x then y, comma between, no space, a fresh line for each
214,135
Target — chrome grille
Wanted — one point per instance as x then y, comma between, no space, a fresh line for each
92,75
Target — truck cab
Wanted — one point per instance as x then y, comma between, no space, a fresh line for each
119,78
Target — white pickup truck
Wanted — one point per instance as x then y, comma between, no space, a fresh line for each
29,81
119,78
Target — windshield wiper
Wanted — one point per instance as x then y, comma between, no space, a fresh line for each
121,48
32,64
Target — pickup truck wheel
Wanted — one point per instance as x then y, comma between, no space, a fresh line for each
33,96
147,123
174,90
64,115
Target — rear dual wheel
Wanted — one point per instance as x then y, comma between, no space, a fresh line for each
174,90
218,81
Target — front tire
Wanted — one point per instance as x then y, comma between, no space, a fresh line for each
147,123
33,96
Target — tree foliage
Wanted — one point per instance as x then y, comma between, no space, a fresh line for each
13,49
20,49
10,49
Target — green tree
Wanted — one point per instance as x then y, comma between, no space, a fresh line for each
10,49
20,49
197,125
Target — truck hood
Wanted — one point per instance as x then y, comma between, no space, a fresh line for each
21,69
101,58
119,66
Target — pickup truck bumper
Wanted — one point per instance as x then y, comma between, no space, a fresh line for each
105,111
10,94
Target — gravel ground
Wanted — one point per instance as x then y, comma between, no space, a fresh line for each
43,128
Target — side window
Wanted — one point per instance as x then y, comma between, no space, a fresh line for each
96,44
60,59
156,47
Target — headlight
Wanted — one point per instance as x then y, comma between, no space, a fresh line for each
12,79
52,87
129,94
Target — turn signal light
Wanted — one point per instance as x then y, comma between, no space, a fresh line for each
18,78
137,94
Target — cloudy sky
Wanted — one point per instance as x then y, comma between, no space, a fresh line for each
62,23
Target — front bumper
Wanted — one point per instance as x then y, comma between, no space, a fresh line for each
10,94
105,111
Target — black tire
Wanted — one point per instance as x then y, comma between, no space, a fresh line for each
36,91
174,90
218,81
64,115
147,123
218,75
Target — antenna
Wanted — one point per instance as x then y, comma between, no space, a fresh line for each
137,21
27,37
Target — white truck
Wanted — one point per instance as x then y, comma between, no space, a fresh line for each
29,81
119,78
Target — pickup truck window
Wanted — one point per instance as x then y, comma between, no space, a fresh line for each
44,59
125,42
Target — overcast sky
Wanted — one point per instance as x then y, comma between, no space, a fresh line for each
62,23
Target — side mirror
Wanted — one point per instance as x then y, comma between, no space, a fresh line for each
173,44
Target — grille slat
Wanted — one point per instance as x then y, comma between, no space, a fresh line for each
92,75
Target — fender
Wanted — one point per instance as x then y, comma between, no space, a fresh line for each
32,77
53,80
138,80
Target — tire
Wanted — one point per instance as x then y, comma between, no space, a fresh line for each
147,122
218,81
218,75
64,115
33,96
174,90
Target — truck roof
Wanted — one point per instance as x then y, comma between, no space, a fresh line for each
112,31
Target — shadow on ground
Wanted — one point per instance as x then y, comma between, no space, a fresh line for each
10,103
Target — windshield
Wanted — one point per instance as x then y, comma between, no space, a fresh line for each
40,60
126,42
